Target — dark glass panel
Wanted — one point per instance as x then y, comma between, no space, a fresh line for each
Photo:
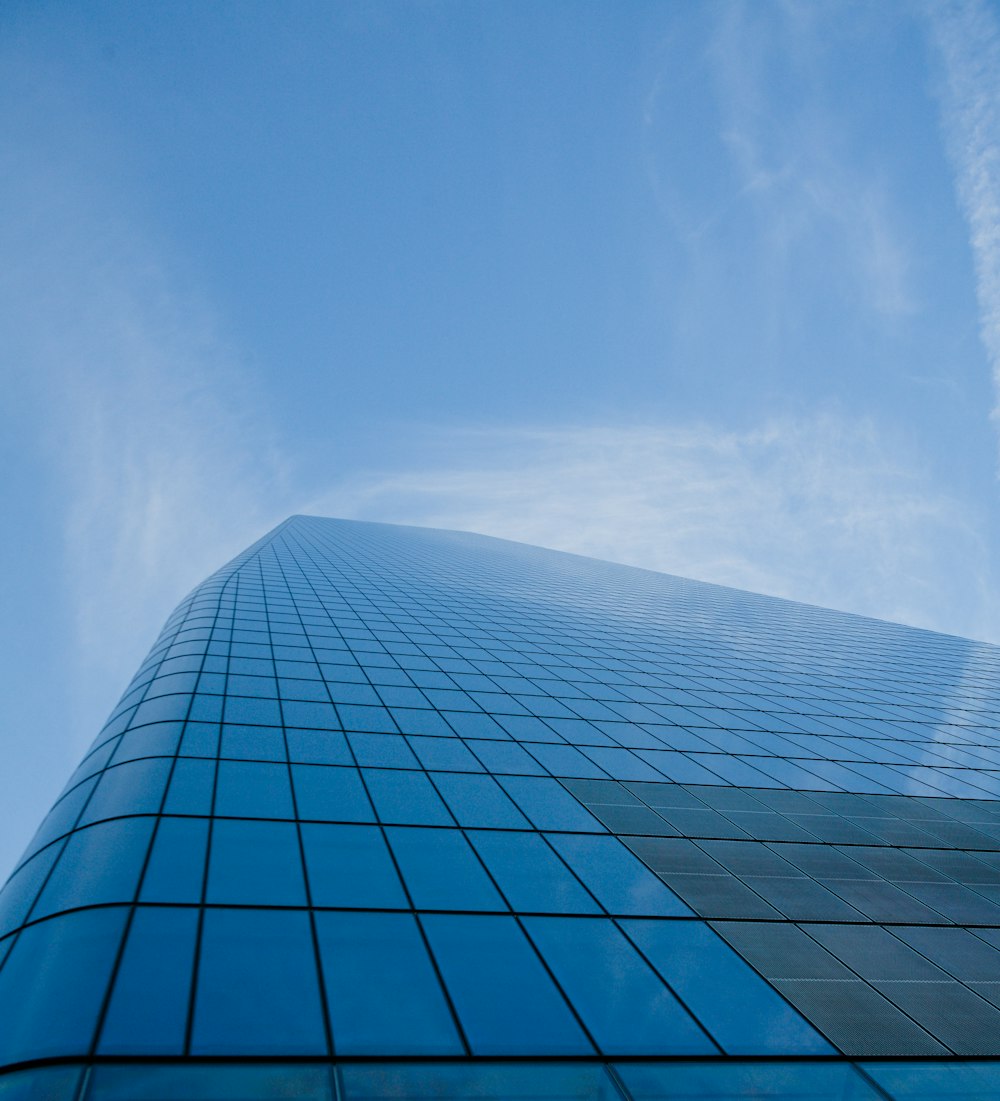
620,999
506,1002
350,866
257,988
53,984
147,1014
383,993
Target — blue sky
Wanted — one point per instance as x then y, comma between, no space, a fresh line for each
711,288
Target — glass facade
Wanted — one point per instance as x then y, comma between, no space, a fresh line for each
394,812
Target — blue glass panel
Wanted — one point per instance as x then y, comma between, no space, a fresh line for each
256,864
253,743
622,1002
53,984
331,794
506,1002
549,805
621,882
176,868
161,709
246,789
350,866
444,753
743,1013
507,757
99,864
158,956
412,721
192,786
210,1082
967,1081
478,801
566,760
204,709
382,750
63,816
343,693
374,719
244,709
316,716
257,988
157,740
201,739
530,874
406,797
484,1081
469,724
318,747
41,1084
383,993
736,1081
21,890
133,788
163,684
91,764
441,871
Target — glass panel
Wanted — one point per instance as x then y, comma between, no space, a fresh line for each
484,1081
257,991
621,882
351,866
331,794
530,874
133,788
255,863
201,739
505,1000
506,757
441,871
22,888
99,864
176,868
245,709
63,816
384,996
478,801
157,740
549,805
622,1002
406,797
736,1081
742,1012
210,1082
318,747
247,789
253,743
41,1084
965,1081
444,753
191,787
382,751
53,984
148,1011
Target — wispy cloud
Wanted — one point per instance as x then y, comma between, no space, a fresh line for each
778,162
967,35
153,443
822,510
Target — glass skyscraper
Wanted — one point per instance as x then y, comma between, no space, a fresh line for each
395,812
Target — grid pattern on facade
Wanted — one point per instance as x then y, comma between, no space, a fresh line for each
382,792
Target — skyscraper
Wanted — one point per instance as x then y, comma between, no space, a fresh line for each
398,812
